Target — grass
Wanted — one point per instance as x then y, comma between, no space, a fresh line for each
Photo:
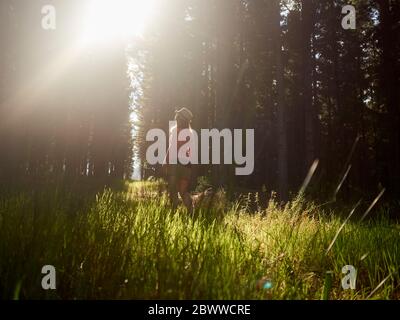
131,245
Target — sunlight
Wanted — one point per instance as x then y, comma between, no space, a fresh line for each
109,20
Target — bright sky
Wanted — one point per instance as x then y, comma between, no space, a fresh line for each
115,19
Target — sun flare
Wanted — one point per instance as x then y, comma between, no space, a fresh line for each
108,20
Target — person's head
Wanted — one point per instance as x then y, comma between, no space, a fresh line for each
183,117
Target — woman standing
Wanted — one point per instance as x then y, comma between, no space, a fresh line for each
179,174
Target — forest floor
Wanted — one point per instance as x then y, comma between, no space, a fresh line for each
130,244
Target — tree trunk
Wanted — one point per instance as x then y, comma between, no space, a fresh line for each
307,13
281,119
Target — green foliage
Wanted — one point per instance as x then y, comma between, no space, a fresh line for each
203,183
131,244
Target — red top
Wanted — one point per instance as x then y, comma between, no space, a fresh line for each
179,144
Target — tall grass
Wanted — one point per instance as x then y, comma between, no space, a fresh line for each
131,244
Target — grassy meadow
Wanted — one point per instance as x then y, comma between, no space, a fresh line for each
130,244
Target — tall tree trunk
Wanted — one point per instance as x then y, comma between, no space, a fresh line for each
307,13
389,82
224,83
281,119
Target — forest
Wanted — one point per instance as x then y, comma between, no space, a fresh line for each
287,69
